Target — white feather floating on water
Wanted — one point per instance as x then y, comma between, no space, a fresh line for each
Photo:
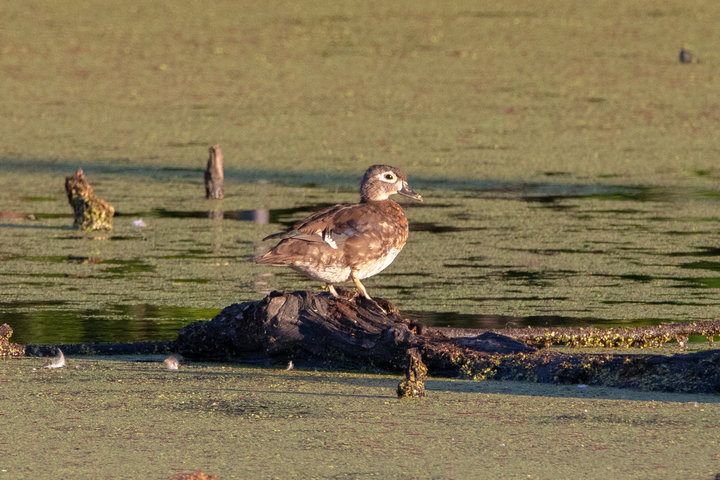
172,362
58,361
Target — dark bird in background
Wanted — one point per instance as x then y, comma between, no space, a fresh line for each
686,56
349,241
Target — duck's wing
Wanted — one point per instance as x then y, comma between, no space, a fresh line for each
333,225
312,224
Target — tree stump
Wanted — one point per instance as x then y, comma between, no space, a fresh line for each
90,212
7,348
414,384
214,175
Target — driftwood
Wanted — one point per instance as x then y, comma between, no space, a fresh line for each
90,212
214,175
320,330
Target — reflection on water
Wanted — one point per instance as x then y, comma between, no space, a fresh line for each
53,322
481,254
261,216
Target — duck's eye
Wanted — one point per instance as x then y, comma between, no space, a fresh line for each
389,177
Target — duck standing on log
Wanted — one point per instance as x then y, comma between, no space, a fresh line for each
349,241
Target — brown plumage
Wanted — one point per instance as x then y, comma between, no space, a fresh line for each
349,241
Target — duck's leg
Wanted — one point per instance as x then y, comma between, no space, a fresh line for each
332,291
361,289
360,286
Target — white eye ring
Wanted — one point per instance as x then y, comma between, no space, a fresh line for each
388,177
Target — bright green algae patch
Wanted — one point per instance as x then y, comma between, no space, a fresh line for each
120,418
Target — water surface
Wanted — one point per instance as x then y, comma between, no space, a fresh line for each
482,254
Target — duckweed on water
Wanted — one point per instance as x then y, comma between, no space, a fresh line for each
554,193
485,107
119,418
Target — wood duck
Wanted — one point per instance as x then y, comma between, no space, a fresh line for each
349,241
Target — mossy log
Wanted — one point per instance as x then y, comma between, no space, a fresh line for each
319,330
651,336
90,212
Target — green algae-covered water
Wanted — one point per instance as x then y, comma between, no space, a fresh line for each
121,419
542,254
568,163
567,159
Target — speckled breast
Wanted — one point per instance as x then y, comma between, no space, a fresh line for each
384,244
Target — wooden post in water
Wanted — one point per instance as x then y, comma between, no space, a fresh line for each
214,174
91,212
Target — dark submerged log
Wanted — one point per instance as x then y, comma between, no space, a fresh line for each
90,212
320,330
214,175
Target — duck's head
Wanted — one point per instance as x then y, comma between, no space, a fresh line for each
381,181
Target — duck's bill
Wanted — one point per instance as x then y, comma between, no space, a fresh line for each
406,191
